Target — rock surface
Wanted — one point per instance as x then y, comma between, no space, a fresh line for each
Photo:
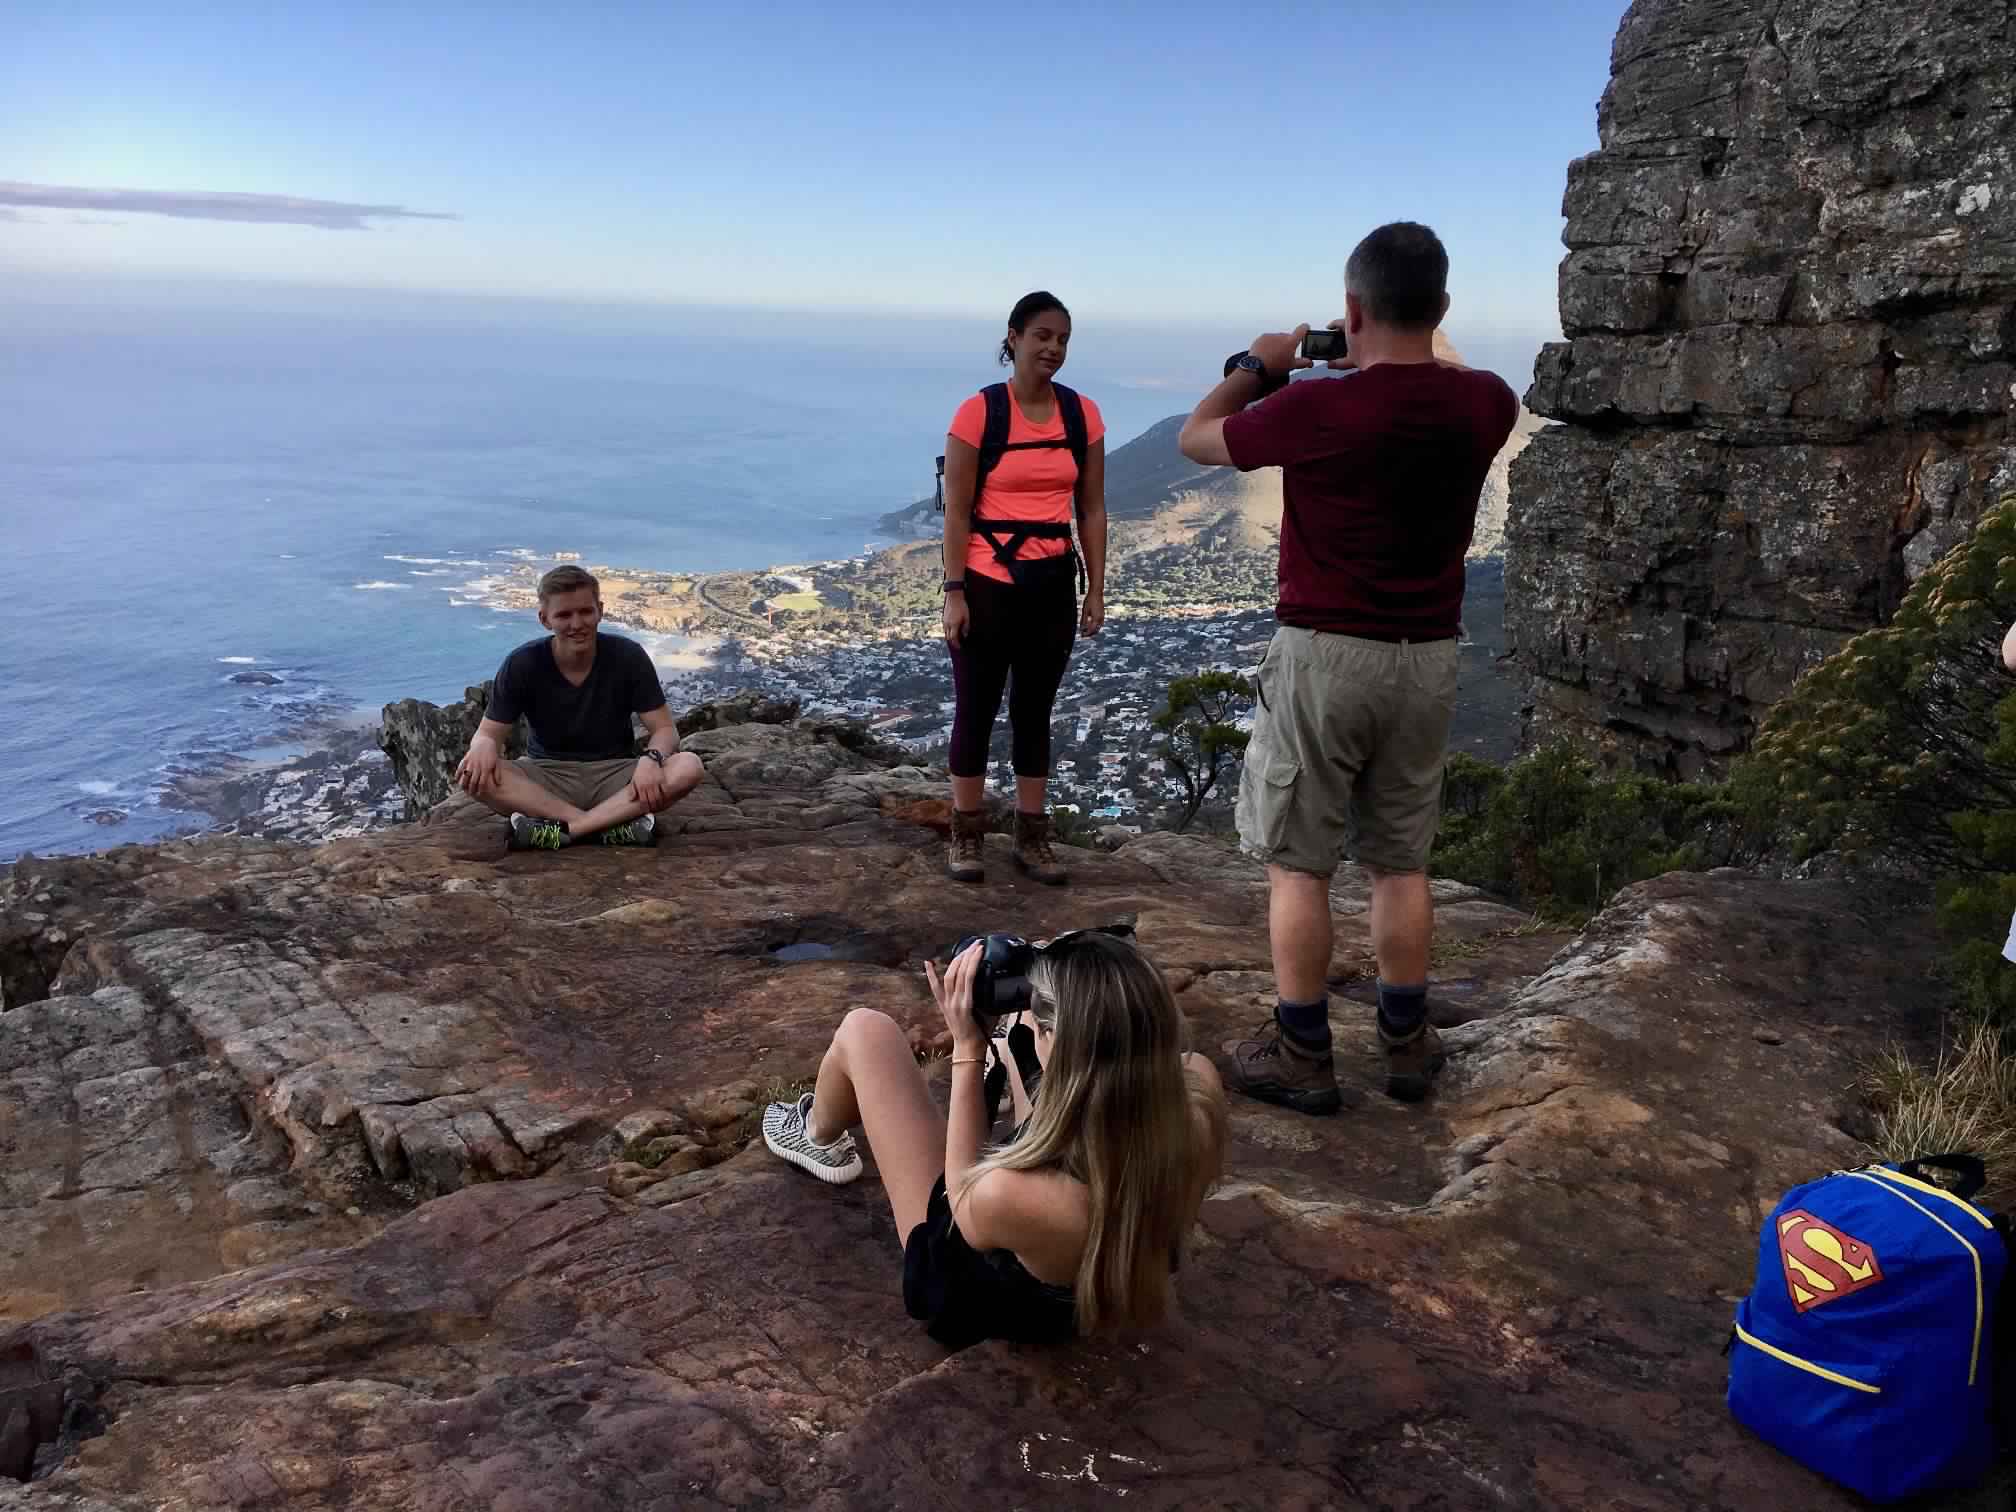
1790,309
426,742
259,1058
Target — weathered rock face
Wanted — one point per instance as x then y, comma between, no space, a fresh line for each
1790,304
426,742
260,1057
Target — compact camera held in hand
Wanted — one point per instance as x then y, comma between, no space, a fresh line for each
1325,345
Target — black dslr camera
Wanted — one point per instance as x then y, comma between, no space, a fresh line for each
1001,990
1001,982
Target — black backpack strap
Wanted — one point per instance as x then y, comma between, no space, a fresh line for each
993,437
1073,410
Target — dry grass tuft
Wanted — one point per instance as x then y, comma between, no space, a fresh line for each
1963,1101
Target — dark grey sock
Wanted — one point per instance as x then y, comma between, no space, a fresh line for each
1402,1010
1307,1023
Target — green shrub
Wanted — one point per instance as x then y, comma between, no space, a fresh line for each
1904,742
1560,836
1903,747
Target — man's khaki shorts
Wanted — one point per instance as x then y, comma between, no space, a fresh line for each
1346,728
581,783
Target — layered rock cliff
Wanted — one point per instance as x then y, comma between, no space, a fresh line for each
1789,365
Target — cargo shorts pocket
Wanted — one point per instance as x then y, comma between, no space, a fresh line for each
1267,800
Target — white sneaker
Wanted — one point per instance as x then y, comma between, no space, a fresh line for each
785,1132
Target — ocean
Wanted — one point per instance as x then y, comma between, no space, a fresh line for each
236,520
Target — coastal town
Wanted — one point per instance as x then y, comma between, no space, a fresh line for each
880,660
1107,766
1190,583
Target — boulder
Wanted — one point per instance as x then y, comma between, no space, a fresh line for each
1789,310
426,742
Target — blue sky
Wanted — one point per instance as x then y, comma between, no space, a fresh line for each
1173,162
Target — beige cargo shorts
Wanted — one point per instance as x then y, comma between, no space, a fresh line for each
581,783
1347,730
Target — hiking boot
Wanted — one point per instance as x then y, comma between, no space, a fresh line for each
640,831
528,833
1413,1064
786,1132
1278,1068
963,860
1033,855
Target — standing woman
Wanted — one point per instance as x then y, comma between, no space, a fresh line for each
1022,458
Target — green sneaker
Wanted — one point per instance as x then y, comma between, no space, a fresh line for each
528,833
637,832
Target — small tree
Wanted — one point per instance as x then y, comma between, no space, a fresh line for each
1199,740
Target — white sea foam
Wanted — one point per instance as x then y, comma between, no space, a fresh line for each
238,661
98,789
430,572
378,587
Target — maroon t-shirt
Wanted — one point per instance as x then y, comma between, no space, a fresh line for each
1380,473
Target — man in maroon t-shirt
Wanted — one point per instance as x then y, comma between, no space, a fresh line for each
1381,471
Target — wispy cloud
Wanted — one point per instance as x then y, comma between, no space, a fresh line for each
264,209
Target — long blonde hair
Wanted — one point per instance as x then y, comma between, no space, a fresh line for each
1118,1110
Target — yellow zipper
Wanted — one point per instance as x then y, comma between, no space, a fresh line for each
1806,1365
1937,1191
1974,1361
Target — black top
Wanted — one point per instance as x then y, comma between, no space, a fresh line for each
588,723
964,1295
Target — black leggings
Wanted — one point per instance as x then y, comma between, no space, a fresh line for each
1025,632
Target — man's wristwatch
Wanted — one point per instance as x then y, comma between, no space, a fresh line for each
955,585
652,754
1270,383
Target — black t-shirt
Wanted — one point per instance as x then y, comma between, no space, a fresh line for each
588,723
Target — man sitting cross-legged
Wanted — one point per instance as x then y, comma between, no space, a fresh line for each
577,689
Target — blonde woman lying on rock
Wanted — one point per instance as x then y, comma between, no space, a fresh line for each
1079,1221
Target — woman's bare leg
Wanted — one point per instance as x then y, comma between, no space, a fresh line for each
870,1077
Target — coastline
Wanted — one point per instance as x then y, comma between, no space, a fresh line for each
1190,587
339,784
892,678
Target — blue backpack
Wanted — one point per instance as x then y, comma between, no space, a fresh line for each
1868,1349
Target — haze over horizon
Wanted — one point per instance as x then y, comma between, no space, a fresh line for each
1155,166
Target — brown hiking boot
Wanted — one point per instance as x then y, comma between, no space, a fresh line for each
963,861
1033,854
1277,1068
1413,1064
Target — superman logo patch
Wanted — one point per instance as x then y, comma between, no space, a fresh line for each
1822,1264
